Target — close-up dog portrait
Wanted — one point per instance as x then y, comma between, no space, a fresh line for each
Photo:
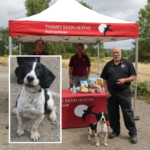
35,99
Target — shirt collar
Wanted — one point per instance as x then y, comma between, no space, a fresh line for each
38,53
78,55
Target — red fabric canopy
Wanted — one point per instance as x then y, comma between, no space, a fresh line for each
69,21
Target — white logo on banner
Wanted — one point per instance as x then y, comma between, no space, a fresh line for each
79,110
102,27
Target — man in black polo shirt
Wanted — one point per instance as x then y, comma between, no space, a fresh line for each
118,75
79,67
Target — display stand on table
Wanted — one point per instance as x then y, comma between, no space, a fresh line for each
79,109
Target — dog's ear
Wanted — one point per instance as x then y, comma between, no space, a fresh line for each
106,116
20,73
47,79
98,116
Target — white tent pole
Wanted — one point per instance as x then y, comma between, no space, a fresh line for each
98,58
10,45
135,87
19,48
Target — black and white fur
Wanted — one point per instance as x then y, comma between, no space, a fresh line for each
100,127
34,98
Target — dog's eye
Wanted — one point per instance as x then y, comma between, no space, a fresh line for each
26,69
39,71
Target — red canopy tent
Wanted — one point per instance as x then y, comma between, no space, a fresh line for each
69,21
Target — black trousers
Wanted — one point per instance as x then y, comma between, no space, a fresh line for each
122,98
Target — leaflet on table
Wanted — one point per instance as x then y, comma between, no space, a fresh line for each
84,87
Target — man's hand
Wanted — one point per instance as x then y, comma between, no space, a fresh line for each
121,81
71,82
108,95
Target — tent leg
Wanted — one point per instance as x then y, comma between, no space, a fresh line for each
10,45
98,60
135,87
19,48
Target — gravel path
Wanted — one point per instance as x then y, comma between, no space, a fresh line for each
76,138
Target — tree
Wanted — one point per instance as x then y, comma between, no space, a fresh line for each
4,42
85,4
36,6
144,33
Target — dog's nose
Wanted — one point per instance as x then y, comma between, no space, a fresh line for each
102,119
30,78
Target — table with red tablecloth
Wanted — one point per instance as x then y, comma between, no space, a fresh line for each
79,109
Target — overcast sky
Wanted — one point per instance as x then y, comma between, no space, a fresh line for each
125,10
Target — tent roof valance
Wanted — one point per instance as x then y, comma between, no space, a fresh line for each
69,21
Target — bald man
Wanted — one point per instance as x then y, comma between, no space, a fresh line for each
118,75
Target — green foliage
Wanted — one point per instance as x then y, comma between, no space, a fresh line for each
92,50
144,33
85,4
142,88
36,6
67,55
4,42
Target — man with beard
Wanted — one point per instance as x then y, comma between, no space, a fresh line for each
118,75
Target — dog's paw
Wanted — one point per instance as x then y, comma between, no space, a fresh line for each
89,137
53,116
97,144
14,111
35,136
105,144
20,132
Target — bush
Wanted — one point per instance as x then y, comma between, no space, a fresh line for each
67,55
142,87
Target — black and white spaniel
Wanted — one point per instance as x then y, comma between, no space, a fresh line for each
98,128
34,99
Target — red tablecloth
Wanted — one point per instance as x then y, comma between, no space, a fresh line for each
76,106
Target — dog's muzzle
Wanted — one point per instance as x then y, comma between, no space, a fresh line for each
29,81
103,119
30,78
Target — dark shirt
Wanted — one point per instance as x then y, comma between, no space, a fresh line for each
79,64
36,53
112,73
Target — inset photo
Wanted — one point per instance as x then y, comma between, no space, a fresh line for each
34,99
